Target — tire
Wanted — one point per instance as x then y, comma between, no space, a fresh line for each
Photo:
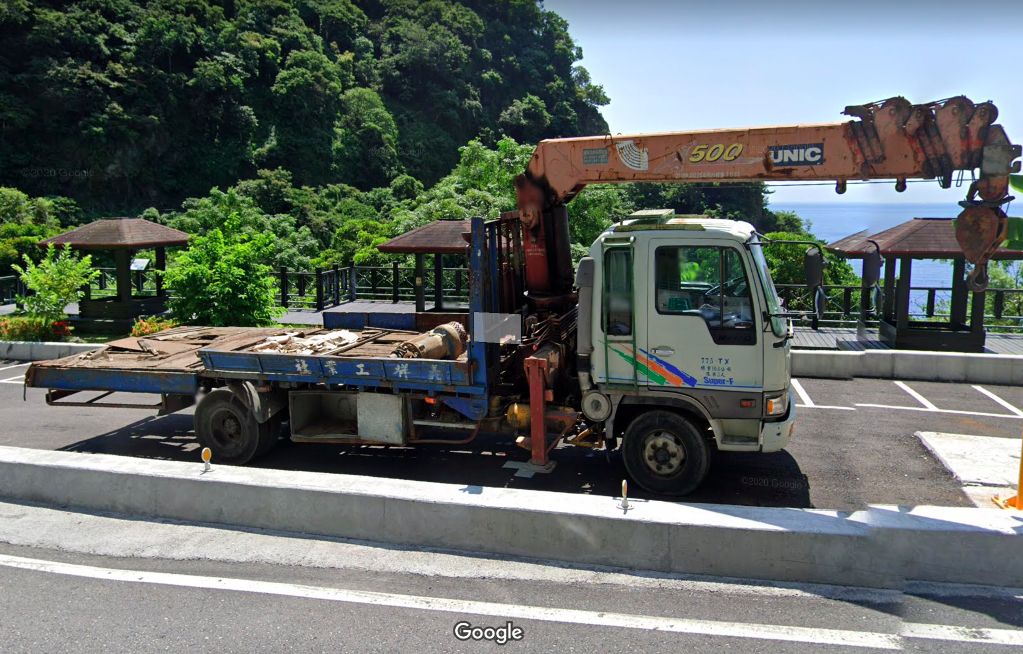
665,453
269,434
225,425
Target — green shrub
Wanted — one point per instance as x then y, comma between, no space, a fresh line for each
147,326
219,281
20,328
56,281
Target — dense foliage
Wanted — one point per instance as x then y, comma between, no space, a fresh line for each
295,133
220,280
123,104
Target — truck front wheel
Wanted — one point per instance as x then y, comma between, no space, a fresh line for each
665,453
225,425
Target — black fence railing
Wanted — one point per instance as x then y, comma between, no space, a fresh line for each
1003,306
328,287
143,283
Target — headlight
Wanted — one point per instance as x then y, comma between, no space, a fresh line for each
776,404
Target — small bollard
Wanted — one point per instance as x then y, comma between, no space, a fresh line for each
207,454
624,505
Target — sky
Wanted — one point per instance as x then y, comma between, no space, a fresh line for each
682,65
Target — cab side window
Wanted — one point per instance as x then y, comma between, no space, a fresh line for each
618,292
709,282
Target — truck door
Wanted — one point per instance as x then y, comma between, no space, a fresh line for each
703,329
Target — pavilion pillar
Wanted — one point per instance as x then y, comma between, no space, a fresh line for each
122,260
420,287
866,296
905,278
161,265
977,312
957,317
889,291
438,281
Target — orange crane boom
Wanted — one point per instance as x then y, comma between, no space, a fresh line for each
892,139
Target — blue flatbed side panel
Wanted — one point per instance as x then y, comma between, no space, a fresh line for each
419,374
123,381
339,320
332,320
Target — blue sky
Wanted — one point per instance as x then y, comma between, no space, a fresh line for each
671,66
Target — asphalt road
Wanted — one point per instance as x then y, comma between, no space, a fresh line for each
853,445
73,582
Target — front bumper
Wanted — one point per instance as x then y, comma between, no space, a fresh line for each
775,436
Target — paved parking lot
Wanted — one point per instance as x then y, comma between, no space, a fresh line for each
853,445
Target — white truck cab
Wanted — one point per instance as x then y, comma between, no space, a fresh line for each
686,349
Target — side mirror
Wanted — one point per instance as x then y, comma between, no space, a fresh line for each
872,263
878,298
813,265
820,302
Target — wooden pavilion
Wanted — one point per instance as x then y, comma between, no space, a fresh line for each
439,238
123,236
918,239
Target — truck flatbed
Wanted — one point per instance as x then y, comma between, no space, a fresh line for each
176,361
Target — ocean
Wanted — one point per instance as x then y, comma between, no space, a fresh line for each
831,221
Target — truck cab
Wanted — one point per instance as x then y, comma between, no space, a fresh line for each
686,350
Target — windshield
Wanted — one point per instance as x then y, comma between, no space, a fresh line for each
763,272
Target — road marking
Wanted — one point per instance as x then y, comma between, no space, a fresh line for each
956,634
919,398
14,366
848,638
825,406
13,380
952,411
999,400
801,393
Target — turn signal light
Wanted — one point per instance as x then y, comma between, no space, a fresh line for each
747,404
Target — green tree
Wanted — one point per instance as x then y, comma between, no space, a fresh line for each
221,281
56,281
234,214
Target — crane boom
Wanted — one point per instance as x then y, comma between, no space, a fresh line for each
892,139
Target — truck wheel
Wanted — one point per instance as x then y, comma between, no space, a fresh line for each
225,425
665,453
269,434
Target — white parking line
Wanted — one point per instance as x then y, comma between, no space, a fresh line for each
14,366
13,380
999,400
952,411
917,396
807,403
722,629
801,393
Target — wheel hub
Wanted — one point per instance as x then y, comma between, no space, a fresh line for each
664,453
227,429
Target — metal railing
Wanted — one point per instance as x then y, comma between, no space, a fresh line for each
324,288
1003,306
143,283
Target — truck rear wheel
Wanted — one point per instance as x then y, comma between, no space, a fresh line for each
665,453
225,425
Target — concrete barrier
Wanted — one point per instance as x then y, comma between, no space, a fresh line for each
39,351
902,364
878,547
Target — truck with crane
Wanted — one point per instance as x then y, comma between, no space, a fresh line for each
668,339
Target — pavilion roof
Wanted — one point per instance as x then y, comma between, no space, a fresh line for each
114,233
919,238
438,237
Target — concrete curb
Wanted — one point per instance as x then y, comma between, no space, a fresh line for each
879,547
38,351
900,364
